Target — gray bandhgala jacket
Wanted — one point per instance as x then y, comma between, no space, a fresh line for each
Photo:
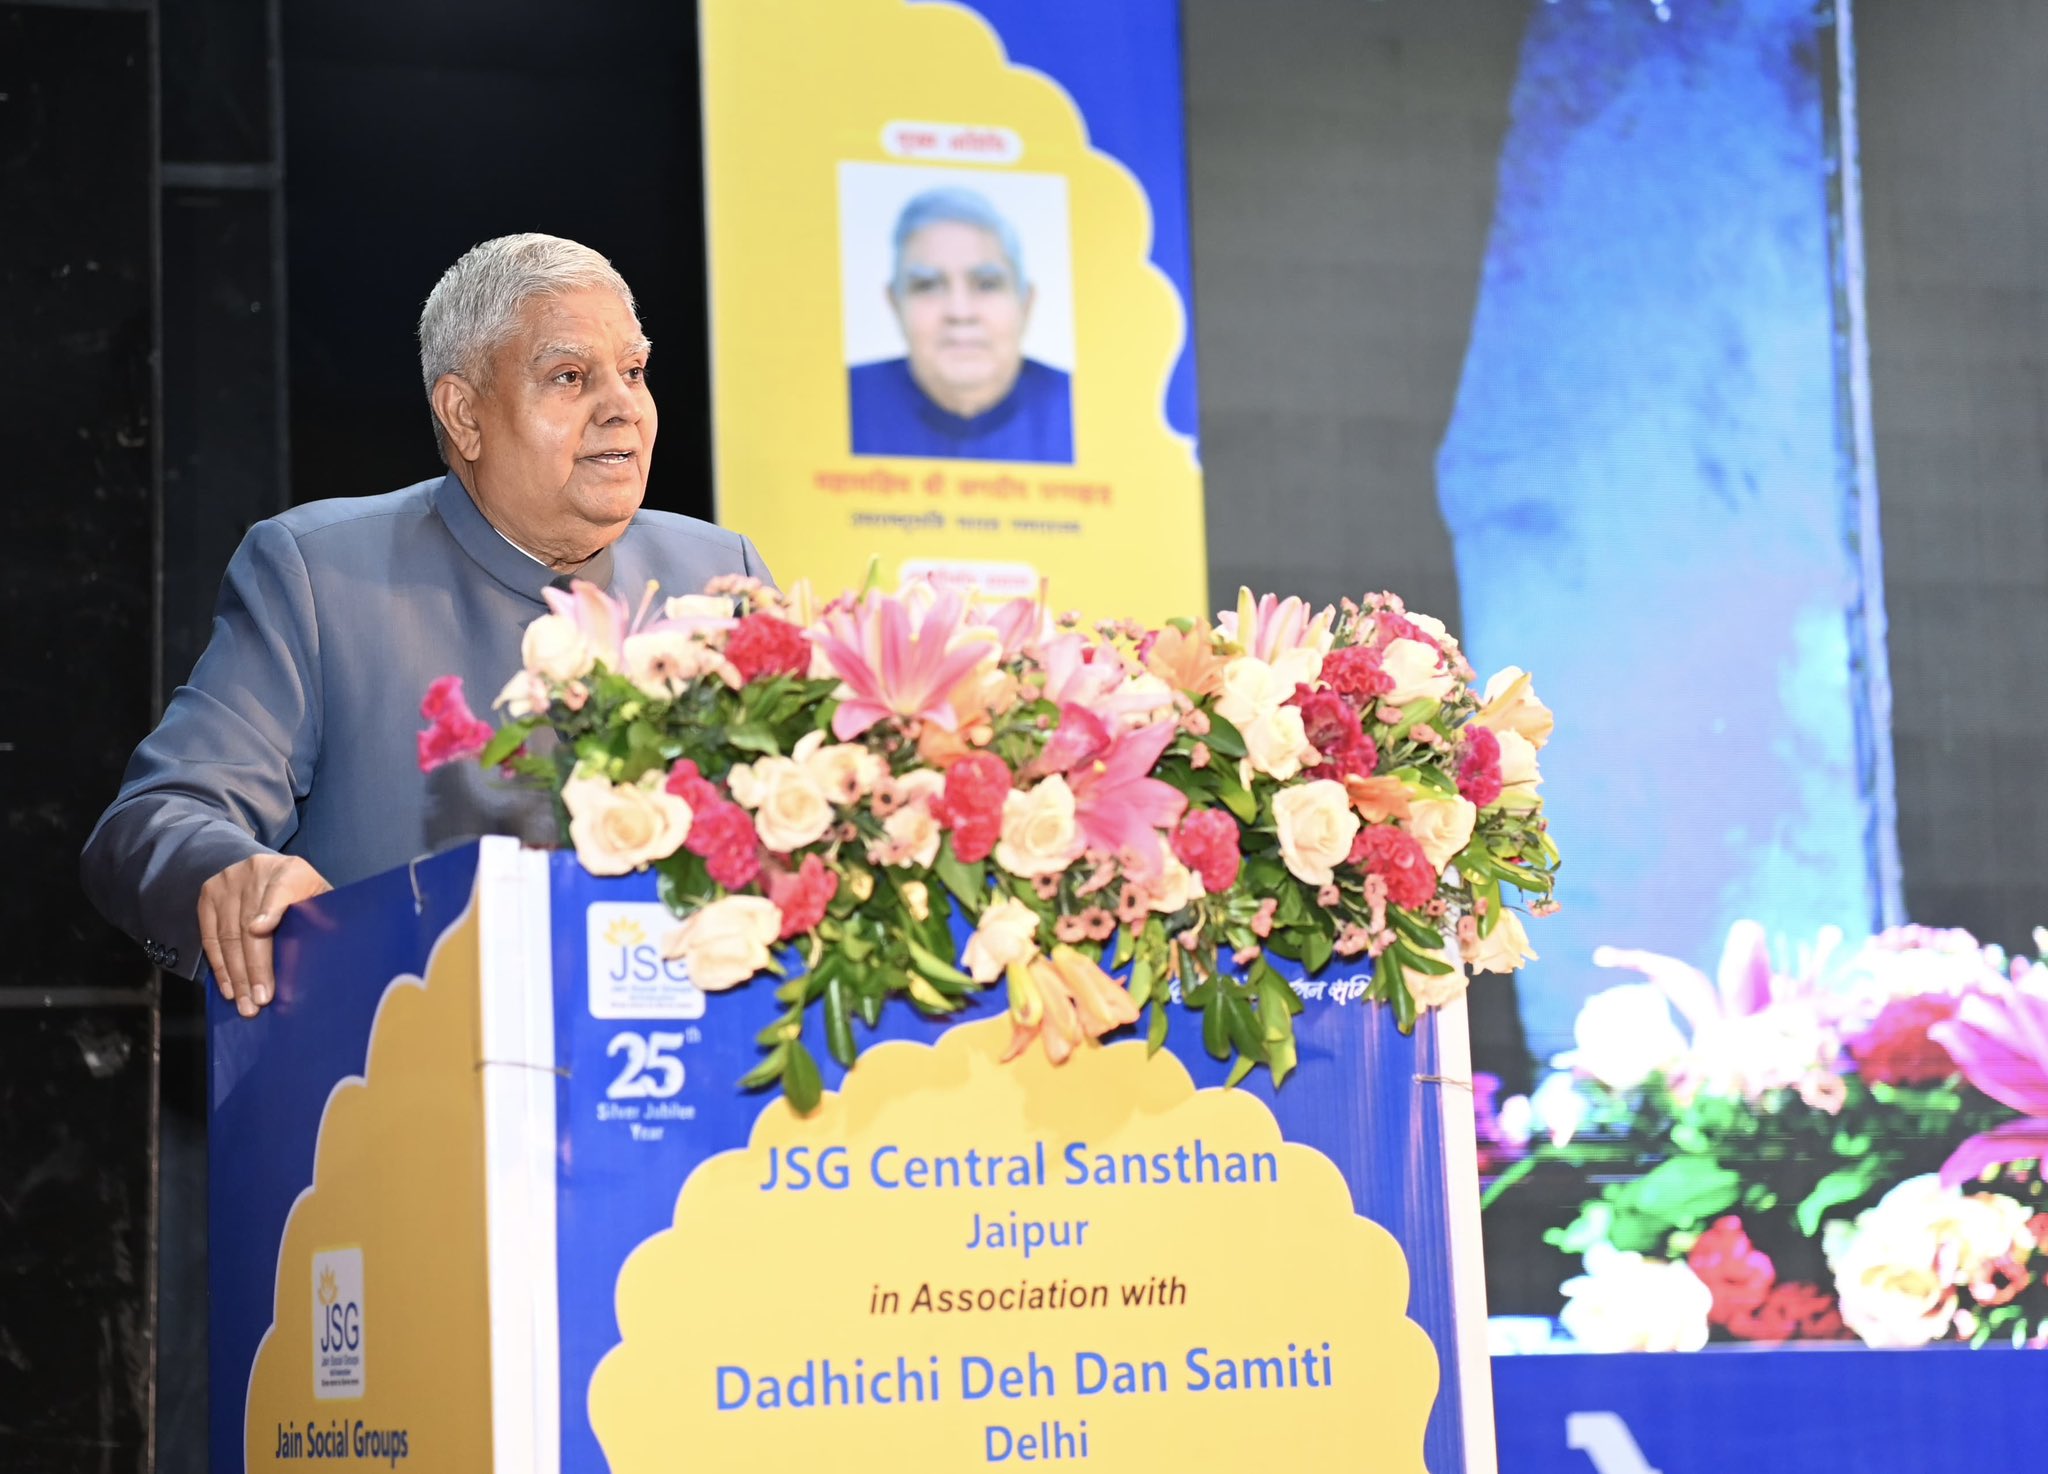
296,731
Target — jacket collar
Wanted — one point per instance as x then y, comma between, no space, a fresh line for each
490,551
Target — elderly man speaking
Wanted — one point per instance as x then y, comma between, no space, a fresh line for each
288,763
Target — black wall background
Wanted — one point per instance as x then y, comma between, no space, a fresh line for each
1341,164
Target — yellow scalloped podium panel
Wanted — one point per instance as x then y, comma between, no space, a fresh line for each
957,1263
378,1351
801,96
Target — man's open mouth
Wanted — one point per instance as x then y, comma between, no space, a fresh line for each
611,457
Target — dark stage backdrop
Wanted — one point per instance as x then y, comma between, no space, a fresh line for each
1956,223
415,131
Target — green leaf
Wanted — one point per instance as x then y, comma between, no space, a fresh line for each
839,1023
1843,1185
509,739
968,883
1224,739
800,1081
937,968
1315,953
1215,1029
1155,1027
1236,797
1242,1024
768,1069
1142,979
1243,1065
753,737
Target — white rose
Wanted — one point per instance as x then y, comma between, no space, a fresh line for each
1040,833
1175,888
525,695
1316,826
617,827
1624,1302
1625,1034
554,649
846,771
1301,666
698,607
1251,689
1417,671
1503,949
1517,760
726,942
912,838
661,662
1511,706
1432,989
1442,826
1008,934
790,810
1277,744
1430,625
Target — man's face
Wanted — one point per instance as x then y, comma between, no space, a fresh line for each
962,315
566,428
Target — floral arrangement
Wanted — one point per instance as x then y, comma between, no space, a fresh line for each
1120,819
1848,1148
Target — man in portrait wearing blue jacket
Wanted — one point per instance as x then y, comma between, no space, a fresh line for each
287,763
965,390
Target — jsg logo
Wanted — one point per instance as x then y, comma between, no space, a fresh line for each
628,976
338,1352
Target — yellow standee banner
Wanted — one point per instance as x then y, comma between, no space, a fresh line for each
948,265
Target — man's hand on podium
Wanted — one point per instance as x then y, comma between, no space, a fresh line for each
239,909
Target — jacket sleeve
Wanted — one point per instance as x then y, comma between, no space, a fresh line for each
753,564
221,777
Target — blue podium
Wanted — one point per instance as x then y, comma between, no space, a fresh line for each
488,1193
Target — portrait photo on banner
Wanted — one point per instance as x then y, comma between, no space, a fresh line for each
957,290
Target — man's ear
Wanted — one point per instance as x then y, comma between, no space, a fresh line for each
455,405
1030,300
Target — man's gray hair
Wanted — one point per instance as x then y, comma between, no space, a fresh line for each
474,308
956,206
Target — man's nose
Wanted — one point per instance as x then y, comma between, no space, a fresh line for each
617,400
960,301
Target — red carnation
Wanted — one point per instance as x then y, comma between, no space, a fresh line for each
802,895
1393,854
692,787
762,645
1355,672
723,834
1391,627
456,733
1479,766
1791,1311
1207,843
1333,730
1325,718
1736,1271
971,804
1895,1050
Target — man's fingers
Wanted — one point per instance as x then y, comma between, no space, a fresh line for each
236,945
285,888
209,942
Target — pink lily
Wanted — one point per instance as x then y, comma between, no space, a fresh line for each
1079,672
1271,627
1999,1040
1120,806
891,670
598,617
1020,625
